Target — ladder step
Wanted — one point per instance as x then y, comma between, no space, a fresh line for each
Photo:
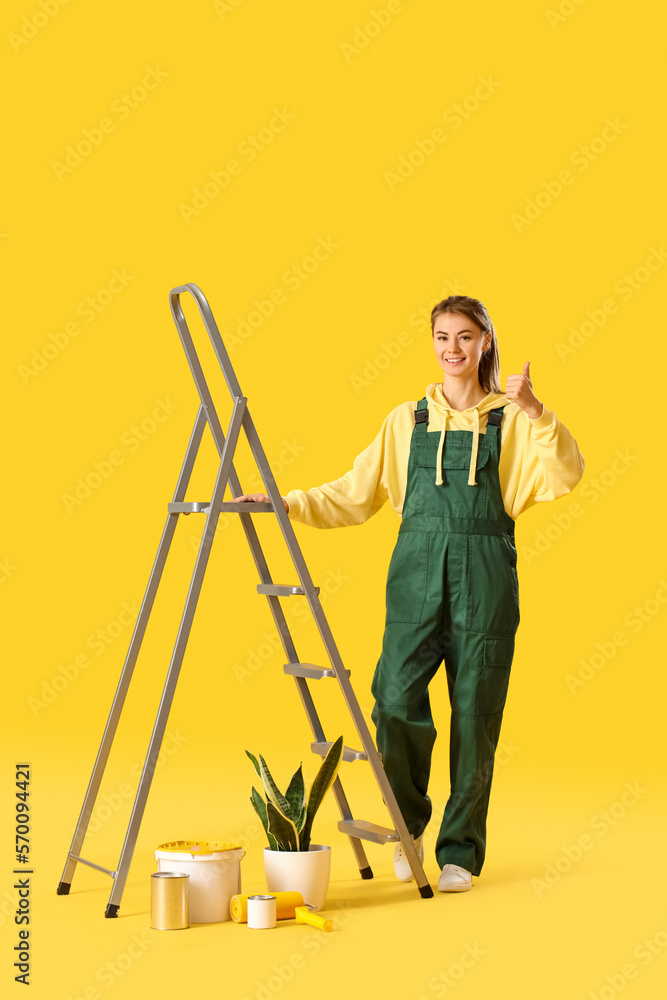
281,589
194,507
91,864
246,506
348,754
311,670
368,831
202,506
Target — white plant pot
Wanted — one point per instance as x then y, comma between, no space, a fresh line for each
307,872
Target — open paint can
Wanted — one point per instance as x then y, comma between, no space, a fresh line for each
214,868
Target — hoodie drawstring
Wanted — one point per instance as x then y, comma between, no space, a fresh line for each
472,480
472,475
441,445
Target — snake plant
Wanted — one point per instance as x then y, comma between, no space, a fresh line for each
288,819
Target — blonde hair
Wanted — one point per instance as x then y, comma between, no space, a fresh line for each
489,363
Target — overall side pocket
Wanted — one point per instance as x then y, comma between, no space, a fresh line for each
407,577
496,666
492,599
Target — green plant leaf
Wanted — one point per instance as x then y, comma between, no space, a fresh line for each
282,828
323,781
260,808
255,763
271,790
296,796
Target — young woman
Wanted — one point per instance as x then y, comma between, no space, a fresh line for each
459,465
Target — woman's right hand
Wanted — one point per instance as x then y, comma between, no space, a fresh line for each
259,498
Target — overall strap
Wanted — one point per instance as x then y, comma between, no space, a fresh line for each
421,413
493,432
495,417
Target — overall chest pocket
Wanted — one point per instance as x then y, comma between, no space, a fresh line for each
425,457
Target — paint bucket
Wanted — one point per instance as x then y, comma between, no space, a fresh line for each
214,868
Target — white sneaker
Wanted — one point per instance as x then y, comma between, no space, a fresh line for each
402,867
453,878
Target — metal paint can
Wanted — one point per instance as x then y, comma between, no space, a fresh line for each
169,901
261,912
286,903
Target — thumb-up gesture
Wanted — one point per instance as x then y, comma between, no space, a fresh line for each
519,390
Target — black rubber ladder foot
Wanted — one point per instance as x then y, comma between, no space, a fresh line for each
112,910
63,888
366,872
425,891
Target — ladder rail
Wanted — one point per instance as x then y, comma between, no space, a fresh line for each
127,671
337,788
212,330
177,658
206,400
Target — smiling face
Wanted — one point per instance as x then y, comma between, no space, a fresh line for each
458,343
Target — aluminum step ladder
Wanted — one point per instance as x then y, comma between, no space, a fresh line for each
356,830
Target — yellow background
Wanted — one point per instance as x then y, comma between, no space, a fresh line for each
320,377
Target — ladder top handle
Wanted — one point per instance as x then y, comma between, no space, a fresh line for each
211,329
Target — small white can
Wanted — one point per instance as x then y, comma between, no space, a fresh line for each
261,912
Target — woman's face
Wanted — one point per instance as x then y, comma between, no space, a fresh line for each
458,344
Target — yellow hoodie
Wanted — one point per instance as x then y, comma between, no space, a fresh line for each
539,461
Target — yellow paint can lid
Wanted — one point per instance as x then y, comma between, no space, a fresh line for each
198,846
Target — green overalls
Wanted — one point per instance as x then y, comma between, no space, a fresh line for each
452,593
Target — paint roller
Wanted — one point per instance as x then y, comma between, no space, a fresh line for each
289,906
